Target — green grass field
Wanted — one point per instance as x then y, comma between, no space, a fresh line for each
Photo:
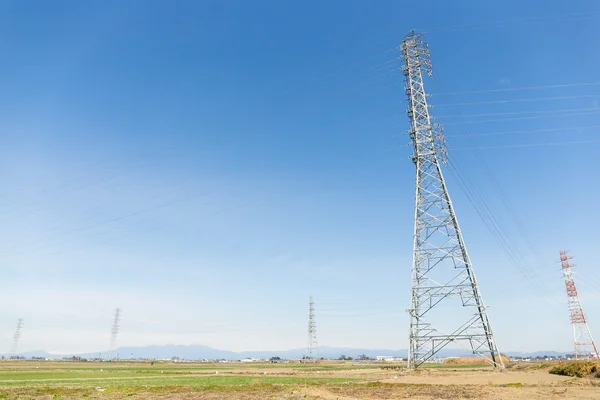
53,380
18,380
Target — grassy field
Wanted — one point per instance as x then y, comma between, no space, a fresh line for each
27,380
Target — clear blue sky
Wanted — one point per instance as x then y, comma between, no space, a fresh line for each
208,165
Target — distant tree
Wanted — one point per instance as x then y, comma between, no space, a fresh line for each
342,357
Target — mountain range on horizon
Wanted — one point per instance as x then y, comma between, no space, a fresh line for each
199,352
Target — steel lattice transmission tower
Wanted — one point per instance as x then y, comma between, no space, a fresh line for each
312,331
114,332
446,306
16,338
583,341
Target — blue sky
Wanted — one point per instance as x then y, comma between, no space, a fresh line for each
206,166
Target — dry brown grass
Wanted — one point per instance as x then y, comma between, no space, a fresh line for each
472,361
578,368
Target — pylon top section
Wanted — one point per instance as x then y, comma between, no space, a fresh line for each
428,138
564,259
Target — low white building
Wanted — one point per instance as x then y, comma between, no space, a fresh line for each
388,358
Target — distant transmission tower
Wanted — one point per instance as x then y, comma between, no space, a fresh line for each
16,337
114,332
312,331
446,306
583,341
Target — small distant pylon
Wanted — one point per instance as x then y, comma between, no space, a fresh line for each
16,338
582,337
114,332
312,331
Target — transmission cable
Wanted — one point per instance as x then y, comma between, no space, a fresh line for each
503,23
491,219
575,128
583,96
516,89
456,121
514,146
567,110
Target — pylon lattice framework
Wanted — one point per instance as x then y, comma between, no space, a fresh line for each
16,337
582,337
312,331
442,270
114,332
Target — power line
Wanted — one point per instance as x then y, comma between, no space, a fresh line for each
53,230
105,222
513,146
517,89
518,100
495,225
525,118
337,71
530,131
480,201
597,109
183,218
503,23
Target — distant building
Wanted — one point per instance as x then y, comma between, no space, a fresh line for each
388,358
278,360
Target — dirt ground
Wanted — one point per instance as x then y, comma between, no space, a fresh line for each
480,384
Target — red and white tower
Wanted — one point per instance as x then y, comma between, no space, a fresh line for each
583,341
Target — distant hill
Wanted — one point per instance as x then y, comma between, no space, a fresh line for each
198,352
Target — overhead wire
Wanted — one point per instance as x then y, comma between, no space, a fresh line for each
55,230
456,121
514,21
583,96
92,181
575,128
479,200
138,232
494,224
516,89
514,146
339,70
101,223
589,283
597,109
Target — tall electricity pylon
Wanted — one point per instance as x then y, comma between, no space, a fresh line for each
312,331
446,304
113,333
16,338
582,337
